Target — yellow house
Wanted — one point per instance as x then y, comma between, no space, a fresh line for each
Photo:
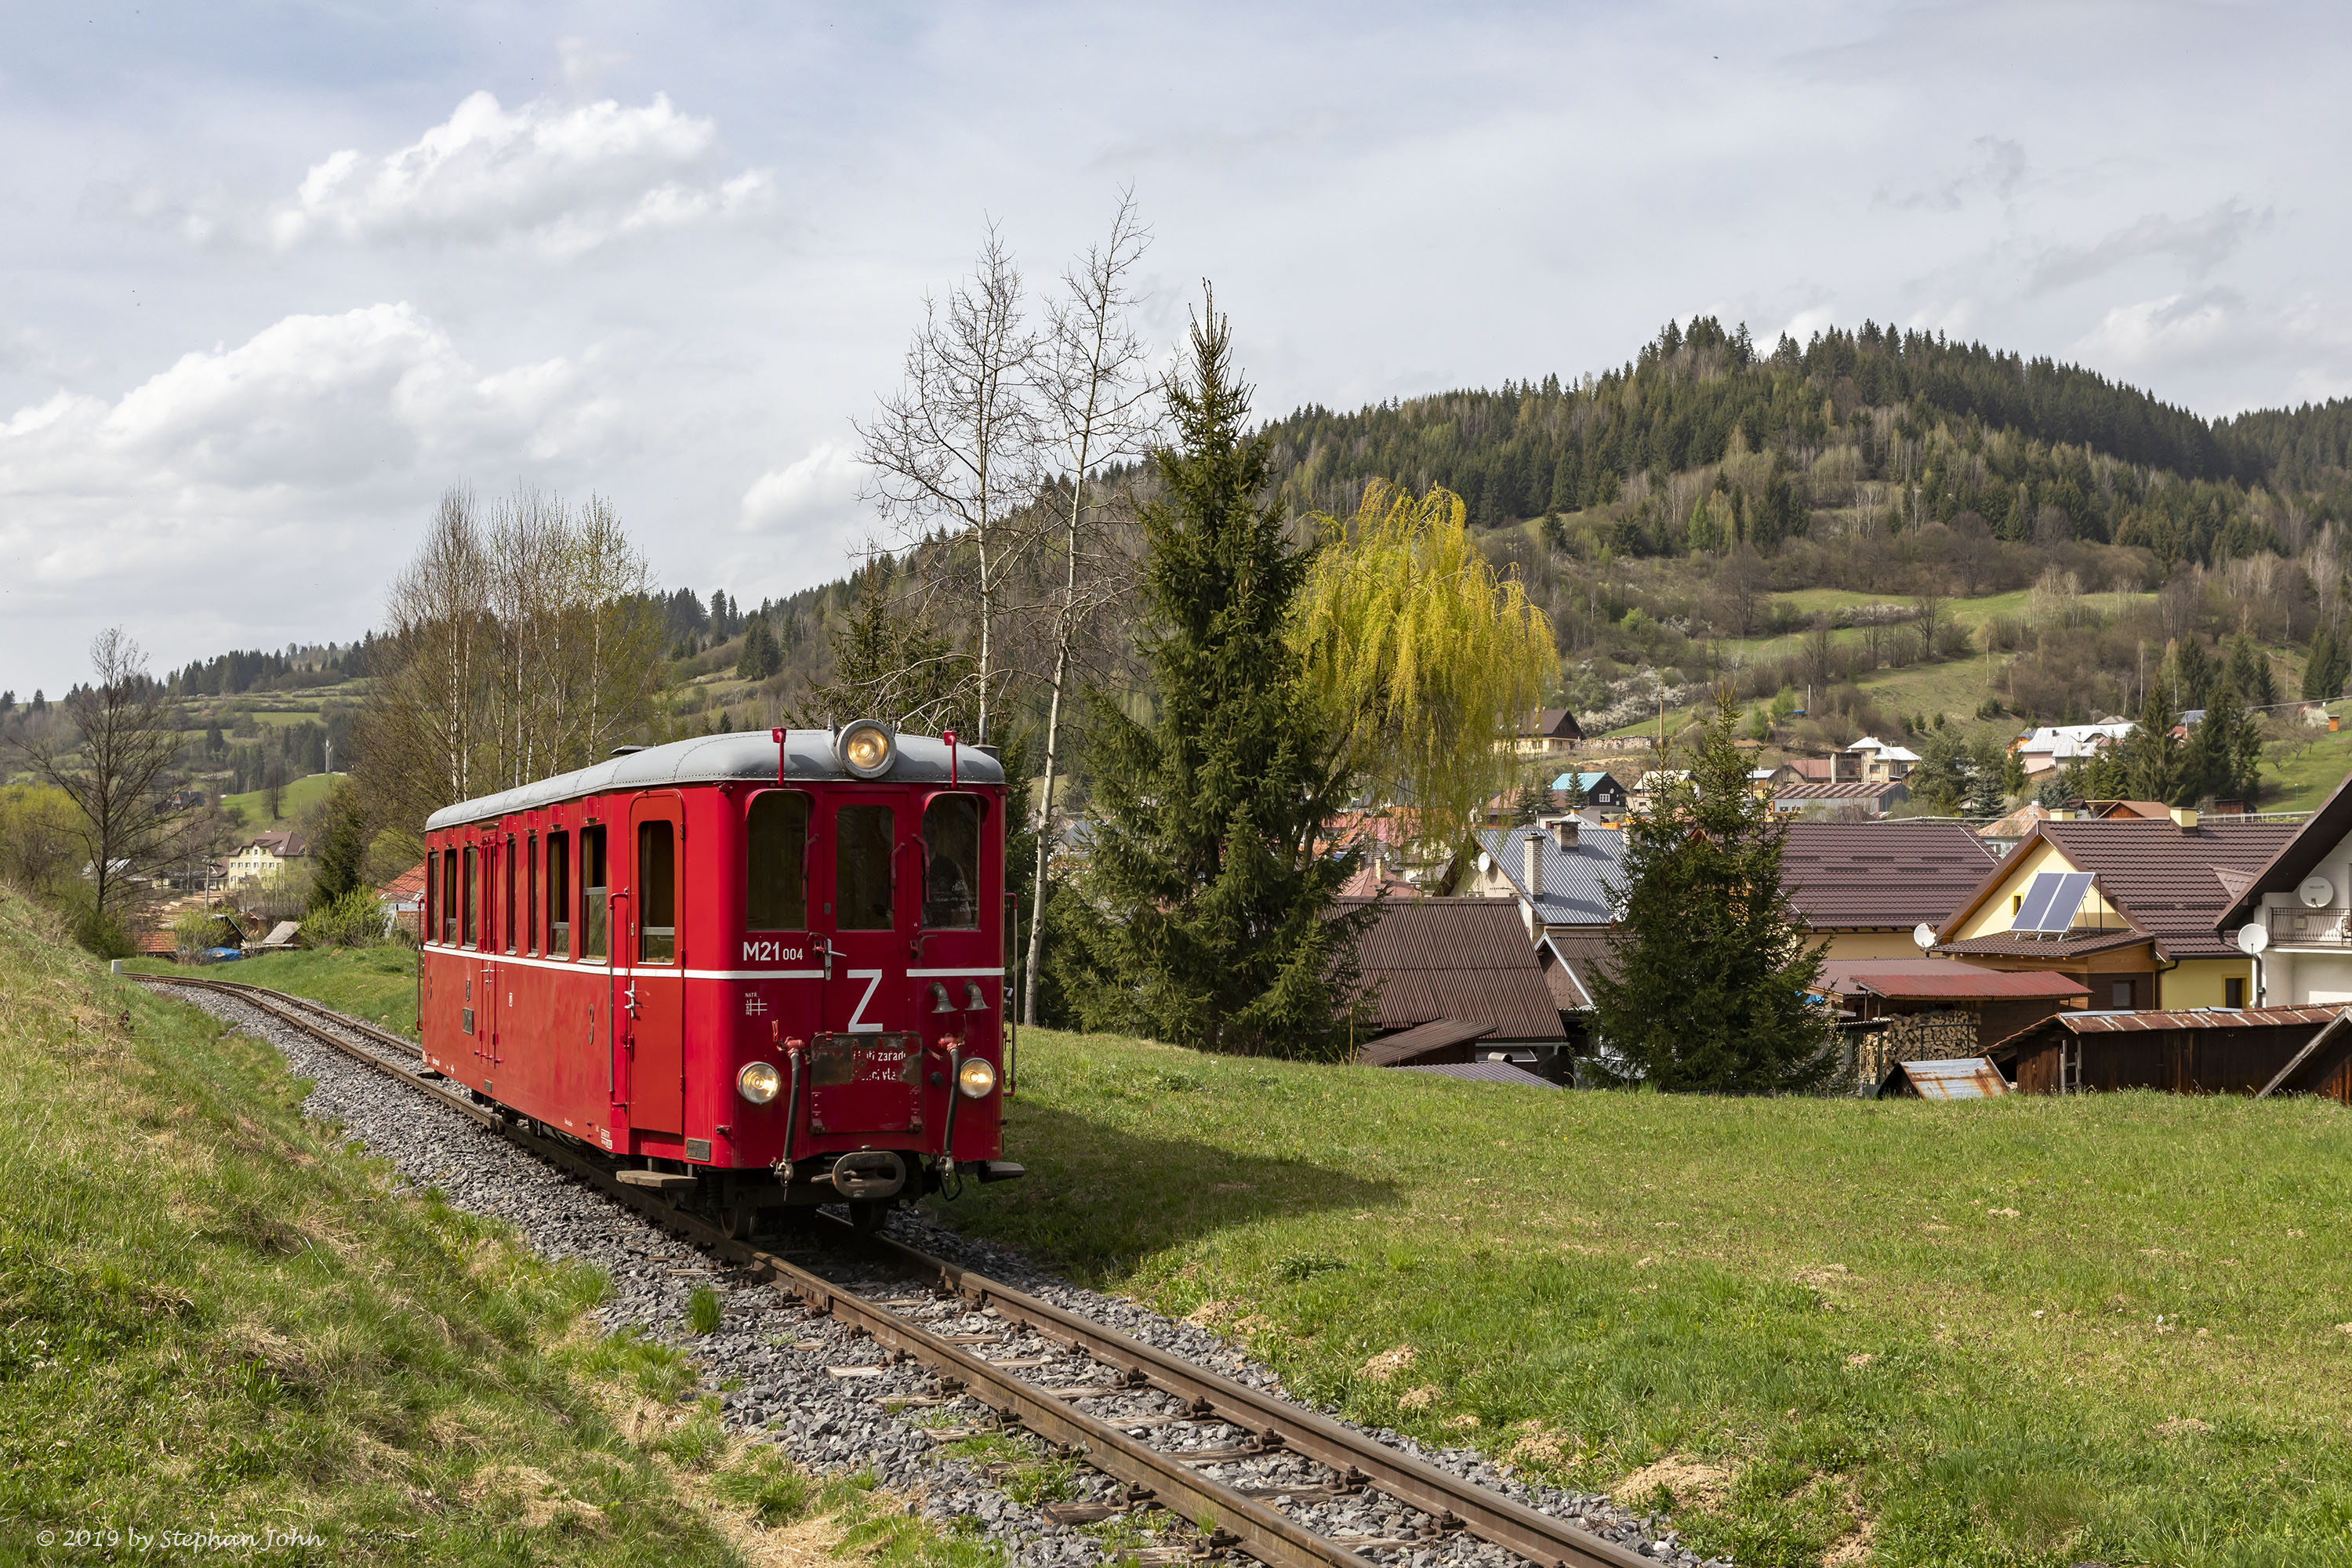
1865,887
262,856
2125,905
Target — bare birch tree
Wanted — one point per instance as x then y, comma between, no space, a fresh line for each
123,740
955,445
515,650
1095,394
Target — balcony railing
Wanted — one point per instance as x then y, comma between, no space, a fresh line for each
2307,928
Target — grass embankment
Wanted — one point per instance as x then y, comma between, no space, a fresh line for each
378,983
2115,1328
252,808
217,1321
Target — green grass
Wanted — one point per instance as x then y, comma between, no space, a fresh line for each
378,983
217,1317
297,798
2024,1331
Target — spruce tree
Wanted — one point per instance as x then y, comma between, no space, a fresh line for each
2323,673
2149,757
2250,672
1209,896
1712,970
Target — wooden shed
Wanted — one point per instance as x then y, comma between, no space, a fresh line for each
2256,1051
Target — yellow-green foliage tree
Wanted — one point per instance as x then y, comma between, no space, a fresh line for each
1425,657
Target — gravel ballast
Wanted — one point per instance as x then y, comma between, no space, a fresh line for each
777,1368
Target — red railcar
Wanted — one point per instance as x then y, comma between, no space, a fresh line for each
760,970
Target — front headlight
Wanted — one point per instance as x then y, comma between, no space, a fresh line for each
758,1082
867,748
977,1077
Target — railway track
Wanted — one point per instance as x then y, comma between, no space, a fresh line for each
1237,1513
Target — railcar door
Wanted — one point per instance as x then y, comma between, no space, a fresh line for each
657,991
865,1068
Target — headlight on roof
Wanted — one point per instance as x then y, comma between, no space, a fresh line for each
867,748
758,1082
977,1077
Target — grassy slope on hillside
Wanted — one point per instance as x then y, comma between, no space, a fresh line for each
378,983
296,798
2030,1330
219,1318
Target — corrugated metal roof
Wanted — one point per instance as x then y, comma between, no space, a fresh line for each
1850,790
1576,880
2201,1018
2014,944
1484,1072
748,756
1438,1035
1960,1078
1467,959
1915,979
1881,874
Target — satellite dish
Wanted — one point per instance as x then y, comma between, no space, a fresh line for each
2253,938
2316,893
1924,935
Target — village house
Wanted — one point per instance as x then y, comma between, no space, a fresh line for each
1877,799
1548,732
2050,747
1455,980
262,856
1601,791
2126,906
402,899
2301,901
1881,761
1557,872
1865,887
1652,785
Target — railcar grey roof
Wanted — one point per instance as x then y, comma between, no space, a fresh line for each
748,756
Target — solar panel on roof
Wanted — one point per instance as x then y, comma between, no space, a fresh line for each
2065,900
2038,894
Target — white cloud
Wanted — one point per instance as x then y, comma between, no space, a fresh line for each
816,491
305,439
562,179
2199,244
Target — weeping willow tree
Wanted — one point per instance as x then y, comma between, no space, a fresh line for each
1425,658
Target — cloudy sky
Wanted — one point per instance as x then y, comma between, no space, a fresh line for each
276,275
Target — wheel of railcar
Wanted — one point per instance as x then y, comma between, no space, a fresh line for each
865,1217
739,1221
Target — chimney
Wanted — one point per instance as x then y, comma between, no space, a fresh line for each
1534,863
1563,833
2185,818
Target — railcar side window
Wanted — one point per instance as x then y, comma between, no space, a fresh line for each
429,928
507,891
559,895
473,896
656,893
592,893
951,863
863,837
775,875
531,894
448,898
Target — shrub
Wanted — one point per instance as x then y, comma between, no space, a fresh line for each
357,918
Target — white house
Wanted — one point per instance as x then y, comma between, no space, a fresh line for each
2052,746
2301,904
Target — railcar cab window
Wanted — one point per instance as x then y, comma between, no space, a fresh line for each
656,893
559,895
775,870
863,839
432,922
531,894
448,898
473,896
592,893
951,863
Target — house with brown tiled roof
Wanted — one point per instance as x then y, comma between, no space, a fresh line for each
2127,906
1454,980
1867,886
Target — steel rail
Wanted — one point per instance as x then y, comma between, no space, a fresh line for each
1263,1533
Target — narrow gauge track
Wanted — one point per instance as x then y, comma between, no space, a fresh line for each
1172,1481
